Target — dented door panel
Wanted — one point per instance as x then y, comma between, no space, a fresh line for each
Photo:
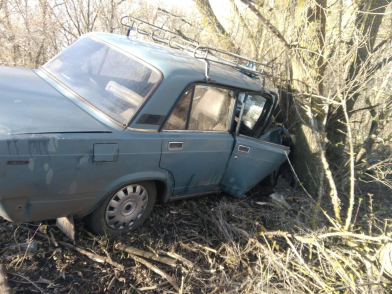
251,161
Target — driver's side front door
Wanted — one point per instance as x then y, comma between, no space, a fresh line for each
252,159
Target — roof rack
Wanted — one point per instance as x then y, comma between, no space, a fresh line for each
178,41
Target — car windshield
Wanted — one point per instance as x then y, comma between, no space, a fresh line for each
111,81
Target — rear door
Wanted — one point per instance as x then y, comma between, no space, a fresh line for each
252,159
196,142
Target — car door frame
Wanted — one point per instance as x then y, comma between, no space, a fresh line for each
229,131
262,122
228,182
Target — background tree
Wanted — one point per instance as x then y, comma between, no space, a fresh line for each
333,64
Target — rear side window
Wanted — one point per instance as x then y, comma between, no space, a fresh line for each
203,108
115,83
179,116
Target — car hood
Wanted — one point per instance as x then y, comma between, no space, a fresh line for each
29,105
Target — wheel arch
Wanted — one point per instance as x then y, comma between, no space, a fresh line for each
162,180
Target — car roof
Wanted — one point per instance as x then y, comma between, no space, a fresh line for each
173,62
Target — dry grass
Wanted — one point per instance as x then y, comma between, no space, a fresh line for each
226,245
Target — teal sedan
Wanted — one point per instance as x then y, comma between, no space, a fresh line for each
113,124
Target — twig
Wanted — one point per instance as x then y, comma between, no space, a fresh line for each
358,236
187,247
345,287
107,254
133,288
310,196
185,261
146,254
31,282
352,169
182,286
95,257
204,247
153,287
312,273
110,286
155,269
53,239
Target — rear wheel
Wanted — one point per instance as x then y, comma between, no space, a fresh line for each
123,210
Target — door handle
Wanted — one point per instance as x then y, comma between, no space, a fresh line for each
243,148
175,145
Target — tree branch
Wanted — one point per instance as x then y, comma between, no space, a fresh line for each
268,24
248,33
211,21
175,16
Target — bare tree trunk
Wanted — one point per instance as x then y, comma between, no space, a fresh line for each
375,127
368,24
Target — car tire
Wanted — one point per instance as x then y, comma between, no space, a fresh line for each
123,210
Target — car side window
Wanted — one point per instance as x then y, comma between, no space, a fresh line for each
255,107
211,109
179,116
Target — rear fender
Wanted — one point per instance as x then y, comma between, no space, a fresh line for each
164,177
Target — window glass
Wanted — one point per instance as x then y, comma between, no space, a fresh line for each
113,82
212,109
254,108
179,116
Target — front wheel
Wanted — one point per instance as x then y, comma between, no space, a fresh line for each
123,210
271,179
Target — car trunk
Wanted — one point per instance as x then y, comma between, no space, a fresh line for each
29,105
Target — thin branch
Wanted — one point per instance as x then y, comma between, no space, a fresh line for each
352,169
268,24
357,236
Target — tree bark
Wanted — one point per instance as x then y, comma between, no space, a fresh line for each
368,24
309,78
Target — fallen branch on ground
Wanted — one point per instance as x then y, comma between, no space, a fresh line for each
31,282
95,257
146,254
156,270
358,236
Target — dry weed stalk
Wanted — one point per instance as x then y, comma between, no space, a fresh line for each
298,259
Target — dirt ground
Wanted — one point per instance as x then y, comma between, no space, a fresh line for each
52,269
221,244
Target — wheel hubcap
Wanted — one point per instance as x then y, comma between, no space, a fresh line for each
126,207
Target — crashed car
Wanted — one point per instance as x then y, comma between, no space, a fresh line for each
113,124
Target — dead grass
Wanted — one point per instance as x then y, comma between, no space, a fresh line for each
227,245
